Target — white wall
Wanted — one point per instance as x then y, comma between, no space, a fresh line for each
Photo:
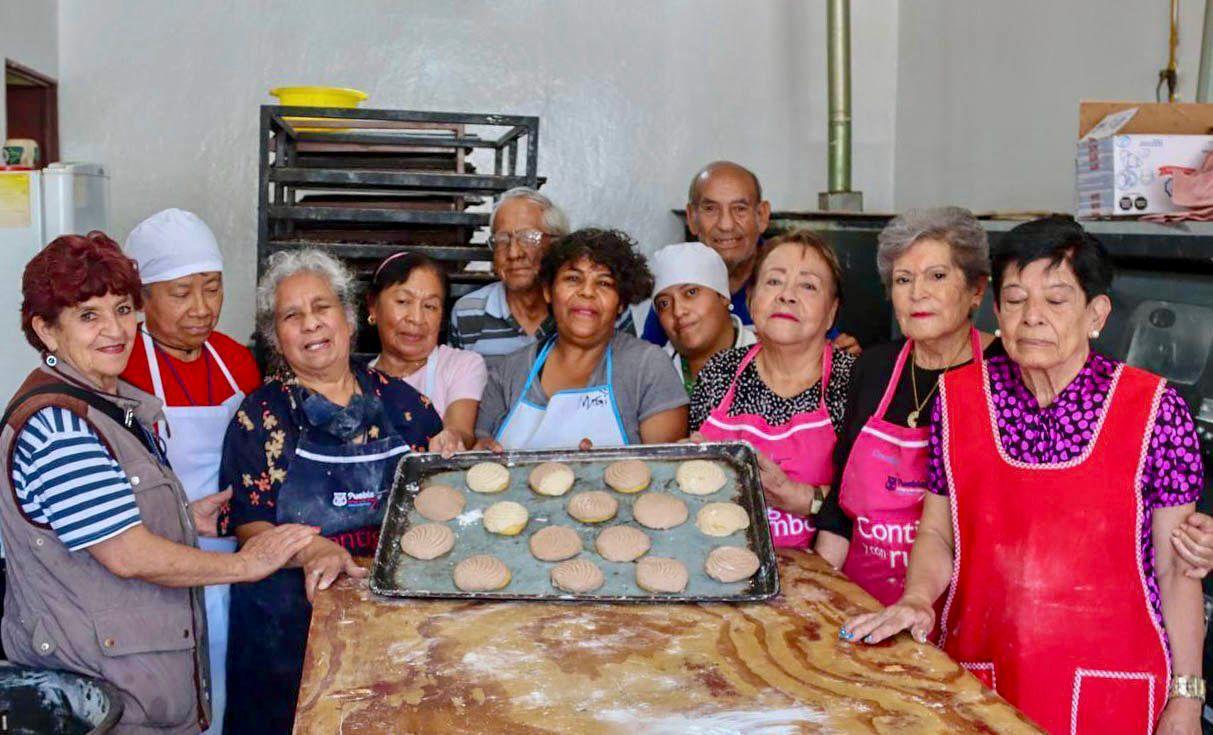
633,96
988,92
28,36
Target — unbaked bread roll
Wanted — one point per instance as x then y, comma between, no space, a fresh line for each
699,477
627,476
731,563
661,574
622,543
427,541
577,575
659,511
487,477
592,506
481,573
439,503
505,518
722,519
551,478
555,543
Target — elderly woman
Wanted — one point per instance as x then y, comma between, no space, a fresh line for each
1057,476
105,578
587,386
317,445
934,264
785,395
199,373
405,303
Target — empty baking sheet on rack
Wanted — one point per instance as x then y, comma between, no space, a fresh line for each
396,574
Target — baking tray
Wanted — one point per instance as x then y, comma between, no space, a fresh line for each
395,574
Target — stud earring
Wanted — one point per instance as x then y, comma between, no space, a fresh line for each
51,360
998,333
1094,334
371,320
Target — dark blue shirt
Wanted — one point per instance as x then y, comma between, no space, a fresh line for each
260,441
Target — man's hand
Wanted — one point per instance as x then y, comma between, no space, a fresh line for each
206,511
270,550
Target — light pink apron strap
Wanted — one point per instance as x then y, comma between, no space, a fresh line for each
727,402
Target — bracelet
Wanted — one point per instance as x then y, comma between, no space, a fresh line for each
1188,687
819,497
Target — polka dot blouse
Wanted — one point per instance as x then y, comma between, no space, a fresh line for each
1172,474
754,397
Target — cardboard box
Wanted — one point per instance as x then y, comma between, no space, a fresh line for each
1123,151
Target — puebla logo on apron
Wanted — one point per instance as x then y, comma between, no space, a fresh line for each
356,499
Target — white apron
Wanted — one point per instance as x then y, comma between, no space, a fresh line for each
570,416
194,449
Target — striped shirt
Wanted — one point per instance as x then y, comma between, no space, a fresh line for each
481,321
65,478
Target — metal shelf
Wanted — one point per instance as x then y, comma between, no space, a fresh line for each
408,180
372,215
383,249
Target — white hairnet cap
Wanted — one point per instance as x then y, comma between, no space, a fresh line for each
689,262
172,244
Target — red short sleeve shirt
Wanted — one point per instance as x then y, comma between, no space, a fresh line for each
186,383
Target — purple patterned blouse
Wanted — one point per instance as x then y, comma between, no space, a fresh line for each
1173,472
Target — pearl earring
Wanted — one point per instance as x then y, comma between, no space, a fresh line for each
998,333
1094,334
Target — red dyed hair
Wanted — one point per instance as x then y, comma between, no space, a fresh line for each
70,270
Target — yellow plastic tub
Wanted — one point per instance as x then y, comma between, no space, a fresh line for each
318,96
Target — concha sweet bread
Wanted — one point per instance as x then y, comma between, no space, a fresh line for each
622,543
577,575
731,564
592,506
505,518
627,476
427,541
659,511
551,478
555,543
487,477
699,477
481,573
439,503
722,519
661,574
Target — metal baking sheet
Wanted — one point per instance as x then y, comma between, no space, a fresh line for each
396,574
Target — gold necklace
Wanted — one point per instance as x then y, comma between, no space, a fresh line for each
912,418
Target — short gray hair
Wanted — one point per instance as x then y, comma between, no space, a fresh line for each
286,263
555,221
955,226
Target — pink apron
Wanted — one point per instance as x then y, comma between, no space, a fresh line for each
882,488
803,448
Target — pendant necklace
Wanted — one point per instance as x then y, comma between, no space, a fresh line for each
912,418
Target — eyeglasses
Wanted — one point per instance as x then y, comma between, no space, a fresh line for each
526,238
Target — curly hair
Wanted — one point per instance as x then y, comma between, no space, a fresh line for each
612,249
71,270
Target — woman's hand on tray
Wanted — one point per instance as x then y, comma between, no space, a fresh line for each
487,444
446,443
694,438
323,562
907,614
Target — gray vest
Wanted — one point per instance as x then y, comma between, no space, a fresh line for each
64,610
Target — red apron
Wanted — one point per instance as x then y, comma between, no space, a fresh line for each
882,488
1048,604
803,448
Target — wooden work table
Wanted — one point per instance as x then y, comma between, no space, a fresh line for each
398,667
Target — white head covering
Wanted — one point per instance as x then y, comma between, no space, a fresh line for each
172,244
689,262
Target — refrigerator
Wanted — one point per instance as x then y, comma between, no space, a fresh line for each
35,208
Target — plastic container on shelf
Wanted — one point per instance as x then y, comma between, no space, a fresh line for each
318,96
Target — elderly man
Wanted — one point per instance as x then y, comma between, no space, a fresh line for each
726,211
200,374
691,299
511,313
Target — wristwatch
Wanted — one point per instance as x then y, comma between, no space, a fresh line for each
819,497
1190,687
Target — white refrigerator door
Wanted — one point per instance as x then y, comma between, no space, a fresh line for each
20,239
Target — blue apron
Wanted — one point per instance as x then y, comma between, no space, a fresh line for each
343,490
